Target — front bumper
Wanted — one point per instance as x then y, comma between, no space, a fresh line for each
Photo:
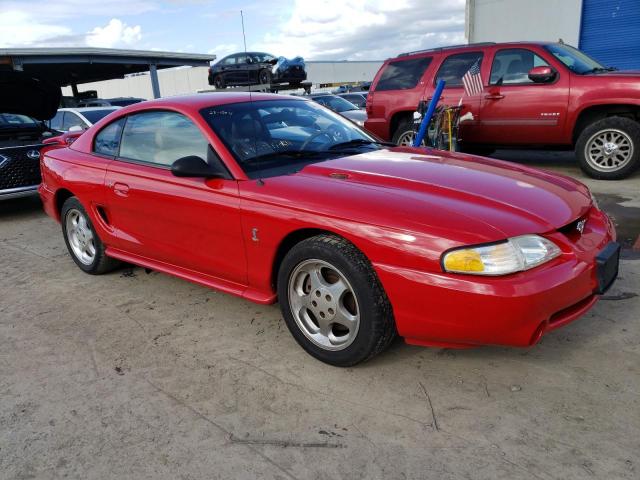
451,310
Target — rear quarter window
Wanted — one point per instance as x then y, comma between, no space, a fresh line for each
455,66
402,74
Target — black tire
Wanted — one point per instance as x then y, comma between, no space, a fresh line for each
101,263
264,77
404,128
477,150
376,325
218,82
625,126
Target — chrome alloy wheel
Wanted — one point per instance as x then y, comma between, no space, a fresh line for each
323,304
609,150
80,236
407,138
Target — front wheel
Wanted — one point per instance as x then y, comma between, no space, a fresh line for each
333,303
264,77
83,243
609,149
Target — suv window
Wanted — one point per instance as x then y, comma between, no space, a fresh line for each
161,138
512,66
241,59
107,140
403,74
455,66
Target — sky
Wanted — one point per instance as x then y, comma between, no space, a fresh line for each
313,29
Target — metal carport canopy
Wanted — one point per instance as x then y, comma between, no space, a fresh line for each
73,66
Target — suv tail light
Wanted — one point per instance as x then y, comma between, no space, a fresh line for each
369,103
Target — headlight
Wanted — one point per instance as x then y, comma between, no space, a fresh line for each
514,255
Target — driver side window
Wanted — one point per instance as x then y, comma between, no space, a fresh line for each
511,66
161,138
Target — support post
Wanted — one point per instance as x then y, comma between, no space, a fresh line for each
155,84
74,89
422,131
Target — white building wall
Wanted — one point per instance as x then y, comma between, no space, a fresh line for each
180,81
526,20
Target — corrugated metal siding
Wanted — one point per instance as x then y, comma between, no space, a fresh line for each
610,32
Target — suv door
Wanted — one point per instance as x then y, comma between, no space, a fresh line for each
190,224
517,111
451,70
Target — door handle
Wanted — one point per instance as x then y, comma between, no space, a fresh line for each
121,189
494,96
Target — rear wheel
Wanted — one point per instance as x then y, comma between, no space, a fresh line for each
333,303
83,243
405,134
218,82
609,149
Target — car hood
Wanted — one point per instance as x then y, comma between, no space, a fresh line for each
23,94
490,198
355,115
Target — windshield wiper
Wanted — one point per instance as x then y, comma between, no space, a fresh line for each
288,153
601,69
359,141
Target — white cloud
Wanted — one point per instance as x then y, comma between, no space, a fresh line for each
115,34
18,28
224,49
365,29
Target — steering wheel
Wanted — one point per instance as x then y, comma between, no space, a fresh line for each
338,132
314,136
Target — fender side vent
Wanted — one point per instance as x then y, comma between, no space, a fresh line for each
103,214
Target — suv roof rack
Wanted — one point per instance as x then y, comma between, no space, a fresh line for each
439,49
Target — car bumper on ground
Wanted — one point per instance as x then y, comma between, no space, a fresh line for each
450,310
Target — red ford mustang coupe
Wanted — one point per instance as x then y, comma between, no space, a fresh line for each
277,198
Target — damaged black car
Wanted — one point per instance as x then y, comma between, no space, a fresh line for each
256,68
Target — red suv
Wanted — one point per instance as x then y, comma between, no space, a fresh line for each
536,95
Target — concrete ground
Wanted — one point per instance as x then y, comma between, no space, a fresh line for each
137,375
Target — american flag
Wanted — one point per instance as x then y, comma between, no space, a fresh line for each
472,80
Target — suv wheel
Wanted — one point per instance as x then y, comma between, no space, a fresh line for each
609,149
405,134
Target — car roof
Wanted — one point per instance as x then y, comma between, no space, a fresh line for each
203,100
86,109
471,46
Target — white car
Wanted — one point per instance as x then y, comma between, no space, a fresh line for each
76,119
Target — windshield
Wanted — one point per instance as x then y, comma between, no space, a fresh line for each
335,103
94,115
574,59
11,120
279,137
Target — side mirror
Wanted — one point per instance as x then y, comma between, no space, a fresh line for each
194,166
542,74
76,128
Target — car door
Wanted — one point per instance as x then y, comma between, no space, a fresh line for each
192,224
227,69
451,70
517,111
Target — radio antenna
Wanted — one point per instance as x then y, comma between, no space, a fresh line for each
244,40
